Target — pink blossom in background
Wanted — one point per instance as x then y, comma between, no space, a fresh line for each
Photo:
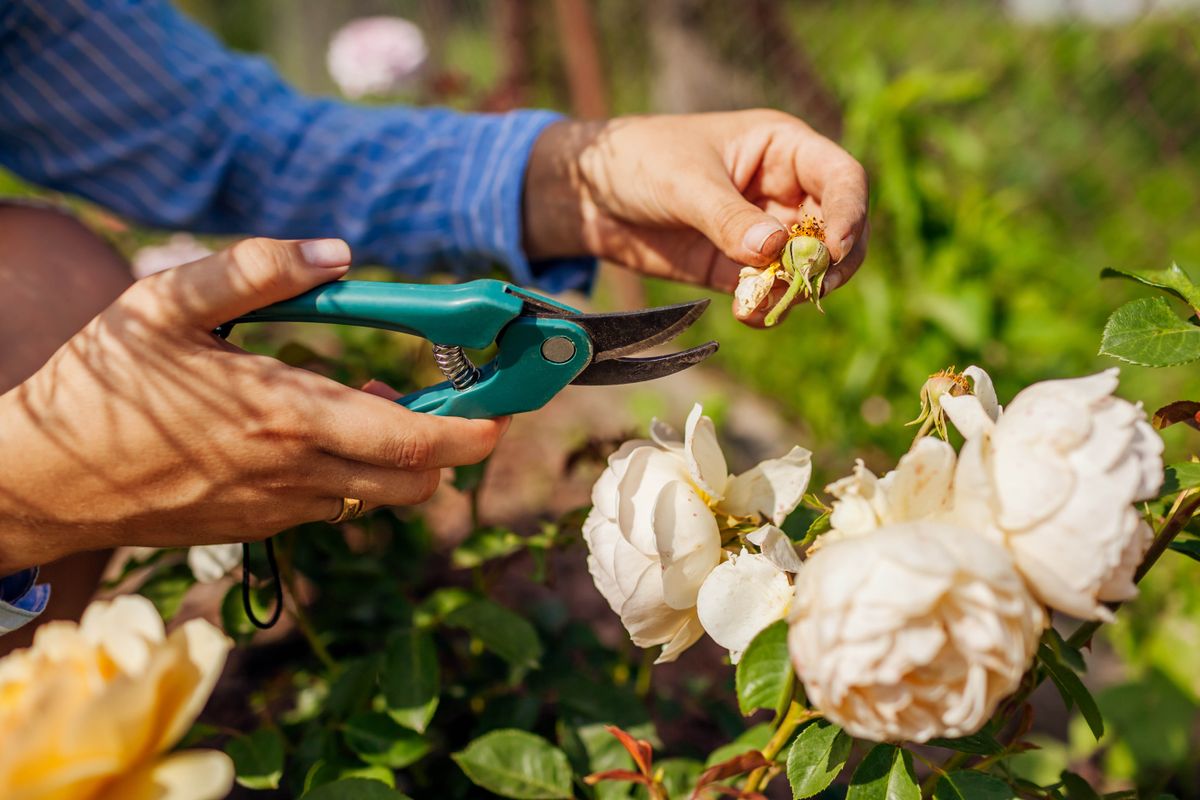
375,55
180,248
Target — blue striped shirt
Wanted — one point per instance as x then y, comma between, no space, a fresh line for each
133,106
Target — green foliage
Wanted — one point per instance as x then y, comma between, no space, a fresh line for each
1148,333
410,679
971,785
257,758
1073,692
765,676
1173,280
816,757
504,633
378,739
517,764
166,588
885,773
355,789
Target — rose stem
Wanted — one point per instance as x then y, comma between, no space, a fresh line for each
297,612
796,716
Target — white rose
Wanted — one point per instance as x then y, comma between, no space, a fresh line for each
375,55
1055,478
919,487
913,631
654,534
211,562
739,598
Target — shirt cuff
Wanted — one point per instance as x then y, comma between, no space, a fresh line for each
494,214
22,599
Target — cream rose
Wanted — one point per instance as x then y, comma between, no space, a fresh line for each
1055,477
739,598
654,533
211,562
91,711
913,631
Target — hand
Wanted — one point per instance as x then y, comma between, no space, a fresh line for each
693,197
146,429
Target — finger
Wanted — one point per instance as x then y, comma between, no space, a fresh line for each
251,274
839,183
365,427
841,272
377,486
710,203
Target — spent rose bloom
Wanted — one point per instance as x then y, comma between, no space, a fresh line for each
91,711
913,631
375,55
1055,477
654,533
211,562
179,248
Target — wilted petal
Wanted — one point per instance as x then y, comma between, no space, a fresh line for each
705,461
688,540
664,435
753,287
688,634
771,489
776,547
741,597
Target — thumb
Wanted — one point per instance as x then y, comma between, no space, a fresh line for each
251,274
741,230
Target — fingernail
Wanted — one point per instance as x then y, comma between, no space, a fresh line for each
846,245
758,234
325,252
833,279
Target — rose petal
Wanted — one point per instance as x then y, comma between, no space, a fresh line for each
772,489
741,597
211,562
688,541
648,470
983,388
776,547
705,461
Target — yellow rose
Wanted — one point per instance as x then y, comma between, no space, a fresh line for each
91,711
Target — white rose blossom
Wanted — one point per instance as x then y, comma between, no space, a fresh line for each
912,631
654,533
375,55
211,562
1054,477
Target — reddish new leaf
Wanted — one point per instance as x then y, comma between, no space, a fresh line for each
617,775
640,749
1185,411
733,791
751,759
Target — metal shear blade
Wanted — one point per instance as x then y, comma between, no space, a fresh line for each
617,335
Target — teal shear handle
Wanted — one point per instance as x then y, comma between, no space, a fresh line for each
538,354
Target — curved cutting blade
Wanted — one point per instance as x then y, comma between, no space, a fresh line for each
635,370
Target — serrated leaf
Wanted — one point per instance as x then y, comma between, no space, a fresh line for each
257,758
970,785
1077,788
886,773
1172,279
503,632
1178,477
378,739
816,758
1072,690
410,679
1148,333
981,743
516,764
1188,547
166,588
764,675
355,789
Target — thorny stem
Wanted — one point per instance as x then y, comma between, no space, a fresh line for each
796,716
303,623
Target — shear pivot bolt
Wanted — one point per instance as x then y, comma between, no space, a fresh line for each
558,349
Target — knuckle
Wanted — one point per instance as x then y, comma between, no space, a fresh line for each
410,451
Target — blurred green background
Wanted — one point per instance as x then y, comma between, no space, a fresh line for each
1014,150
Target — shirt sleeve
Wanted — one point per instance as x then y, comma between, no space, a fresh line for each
22,599
135,107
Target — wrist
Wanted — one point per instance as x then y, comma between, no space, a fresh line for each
23,542
555,202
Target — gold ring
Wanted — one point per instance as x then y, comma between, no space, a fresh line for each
352,508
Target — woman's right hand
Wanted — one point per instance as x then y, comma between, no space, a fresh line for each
147,429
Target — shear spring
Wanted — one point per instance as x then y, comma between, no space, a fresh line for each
455,365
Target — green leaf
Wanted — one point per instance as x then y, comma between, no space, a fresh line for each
325,772
257,758
439,604
679,775
817,757
166,588
410,679
1072,690
233,611
516,764
970,785
1173,280
484,545
765,674
355,789
504,633
755,738
979,744
886,773
1077,788
1148,333
1189,547
354,686
378,739
1071,656
1178,477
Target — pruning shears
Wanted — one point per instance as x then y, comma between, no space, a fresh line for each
541,345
